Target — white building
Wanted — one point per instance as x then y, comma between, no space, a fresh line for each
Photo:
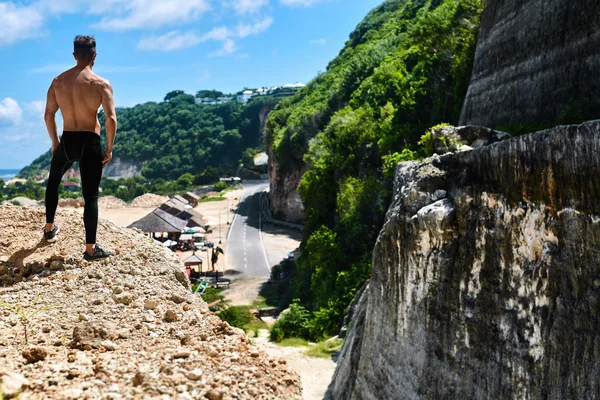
245,96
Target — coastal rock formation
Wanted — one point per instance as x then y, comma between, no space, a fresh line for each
486,277
536,62
124,327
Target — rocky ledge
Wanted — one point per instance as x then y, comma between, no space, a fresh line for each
125,327
486,277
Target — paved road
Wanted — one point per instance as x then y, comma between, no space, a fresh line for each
245,250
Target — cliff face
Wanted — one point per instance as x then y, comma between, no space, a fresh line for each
536,61
286,203
124,327
486,277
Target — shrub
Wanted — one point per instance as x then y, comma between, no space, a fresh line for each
293,323
219,186
235,317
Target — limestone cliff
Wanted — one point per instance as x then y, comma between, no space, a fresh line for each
536,62
286,203
124,327
486,277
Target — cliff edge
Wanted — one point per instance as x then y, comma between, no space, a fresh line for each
486,277
124,327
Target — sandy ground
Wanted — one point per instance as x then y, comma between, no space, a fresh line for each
315,373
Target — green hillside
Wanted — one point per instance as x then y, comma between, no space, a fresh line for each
177,136
404,69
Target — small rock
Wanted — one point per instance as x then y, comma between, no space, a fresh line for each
138,379
108,345
88,335
194,375
57,265
177,299
187,340
12,384
123,298
34,354
151,304
148,318
171,316
186,307
3,270
182,354
73,373
214,395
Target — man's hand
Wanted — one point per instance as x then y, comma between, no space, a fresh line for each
107,157
54,147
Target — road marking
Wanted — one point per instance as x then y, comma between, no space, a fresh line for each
235,214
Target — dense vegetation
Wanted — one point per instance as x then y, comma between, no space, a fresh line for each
177,136
405,68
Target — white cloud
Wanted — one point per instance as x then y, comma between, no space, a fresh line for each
320,42
296,3
248,6
227,49
143,14
244,30
170,41
10,111
18,23
219,33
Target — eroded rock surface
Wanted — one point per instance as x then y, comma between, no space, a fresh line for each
486,277
536,62
125,327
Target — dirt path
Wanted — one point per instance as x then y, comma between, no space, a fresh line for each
315,373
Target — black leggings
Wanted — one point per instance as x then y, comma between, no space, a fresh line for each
85,148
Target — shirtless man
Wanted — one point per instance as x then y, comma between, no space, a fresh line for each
78,93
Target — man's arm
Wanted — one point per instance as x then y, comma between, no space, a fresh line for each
50,117
108,104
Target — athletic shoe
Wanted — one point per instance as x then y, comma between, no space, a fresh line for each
50,236
98,254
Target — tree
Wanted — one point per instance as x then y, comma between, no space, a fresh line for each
186,180
173,94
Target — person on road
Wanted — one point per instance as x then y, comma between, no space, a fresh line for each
79,93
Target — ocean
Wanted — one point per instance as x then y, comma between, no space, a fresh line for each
6,174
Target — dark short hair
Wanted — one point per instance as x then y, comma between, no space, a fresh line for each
84,46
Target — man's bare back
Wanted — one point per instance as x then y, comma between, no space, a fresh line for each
79,94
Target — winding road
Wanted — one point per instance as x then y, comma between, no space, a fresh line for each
245,251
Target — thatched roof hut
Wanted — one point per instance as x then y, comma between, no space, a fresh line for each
159,221
180,199
192,198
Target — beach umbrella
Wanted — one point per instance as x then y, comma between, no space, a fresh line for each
198,235
190,230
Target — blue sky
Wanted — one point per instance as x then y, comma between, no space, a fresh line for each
147,48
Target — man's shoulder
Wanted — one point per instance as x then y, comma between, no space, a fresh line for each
100,82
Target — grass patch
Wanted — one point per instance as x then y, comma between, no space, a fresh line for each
294,342
211,294
241,317
324,349
212,198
